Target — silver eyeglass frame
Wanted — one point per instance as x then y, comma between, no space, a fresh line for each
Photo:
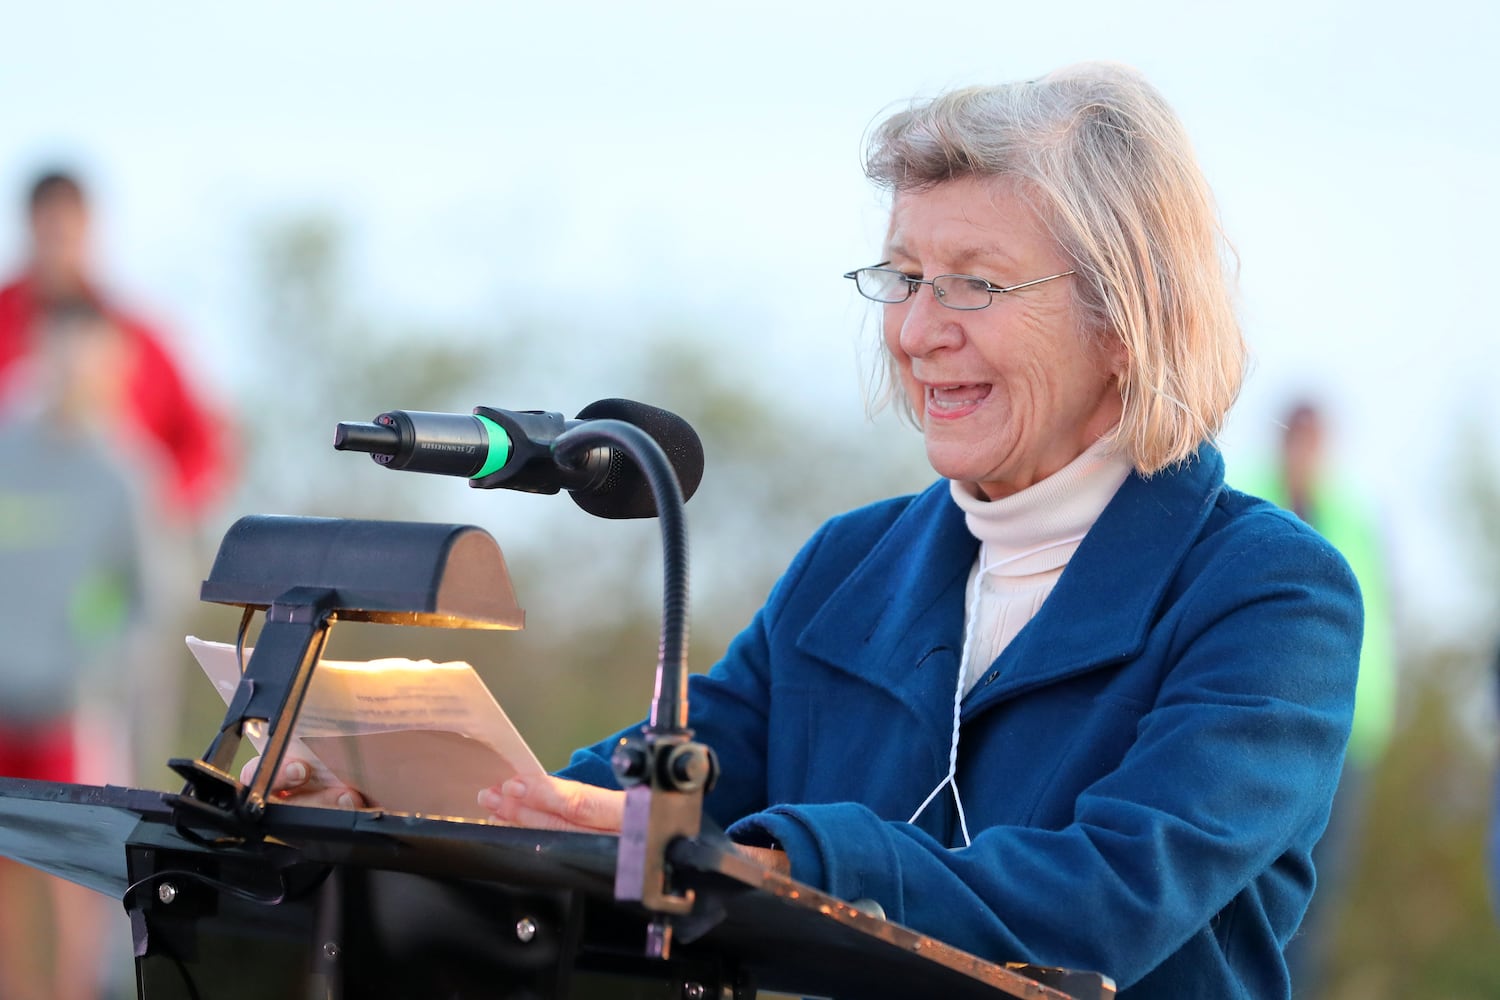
937,291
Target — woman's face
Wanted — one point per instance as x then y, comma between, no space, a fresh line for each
1008,394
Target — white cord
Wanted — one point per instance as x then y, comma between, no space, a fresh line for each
951,779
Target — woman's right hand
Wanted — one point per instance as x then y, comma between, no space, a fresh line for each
301,782
552,803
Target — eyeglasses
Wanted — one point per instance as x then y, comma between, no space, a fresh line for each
956,291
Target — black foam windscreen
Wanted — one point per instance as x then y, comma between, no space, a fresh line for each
626,493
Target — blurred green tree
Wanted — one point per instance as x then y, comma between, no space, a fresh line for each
1418,921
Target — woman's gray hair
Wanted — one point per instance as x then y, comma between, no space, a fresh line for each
1112,174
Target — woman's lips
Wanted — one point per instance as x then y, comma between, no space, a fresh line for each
955,399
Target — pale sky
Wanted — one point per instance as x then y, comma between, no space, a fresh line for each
485,155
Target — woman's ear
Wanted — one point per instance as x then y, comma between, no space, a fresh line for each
1119,356
1114,353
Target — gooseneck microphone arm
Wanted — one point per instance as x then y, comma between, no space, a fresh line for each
571,449
664,773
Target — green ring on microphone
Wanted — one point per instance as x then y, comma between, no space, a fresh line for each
499,451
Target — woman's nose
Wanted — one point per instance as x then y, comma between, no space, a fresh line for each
927,326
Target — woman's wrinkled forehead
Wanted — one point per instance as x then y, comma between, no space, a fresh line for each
992,222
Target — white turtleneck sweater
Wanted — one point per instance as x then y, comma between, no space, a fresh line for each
1025,541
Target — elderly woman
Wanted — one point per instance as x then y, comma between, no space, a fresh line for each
1078,703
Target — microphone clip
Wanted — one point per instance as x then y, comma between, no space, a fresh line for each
531,466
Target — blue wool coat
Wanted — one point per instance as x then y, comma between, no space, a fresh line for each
1144,769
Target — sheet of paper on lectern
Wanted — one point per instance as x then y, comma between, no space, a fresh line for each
411,735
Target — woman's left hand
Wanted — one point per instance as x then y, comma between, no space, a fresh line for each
767,857
550,803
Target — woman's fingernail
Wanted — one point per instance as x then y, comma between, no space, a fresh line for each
345,800
296,773
515,788
489,800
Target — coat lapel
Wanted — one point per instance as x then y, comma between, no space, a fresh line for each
897,621
1102,608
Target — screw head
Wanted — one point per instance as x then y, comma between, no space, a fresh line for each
693,991
689,766
525,930
330,950
630,762
166,892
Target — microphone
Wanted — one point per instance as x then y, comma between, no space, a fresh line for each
512,449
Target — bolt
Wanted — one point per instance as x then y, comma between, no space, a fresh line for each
630,762
166,892
330,950
693,991
689,766
525,930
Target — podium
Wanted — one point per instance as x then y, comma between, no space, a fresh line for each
232,894
358,904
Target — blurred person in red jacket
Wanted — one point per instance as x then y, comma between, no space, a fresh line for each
152,421
160,413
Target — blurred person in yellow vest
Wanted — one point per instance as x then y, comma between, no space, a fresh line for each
1304,482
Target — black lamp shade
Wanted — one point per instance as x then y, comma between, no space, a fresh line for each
396,572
